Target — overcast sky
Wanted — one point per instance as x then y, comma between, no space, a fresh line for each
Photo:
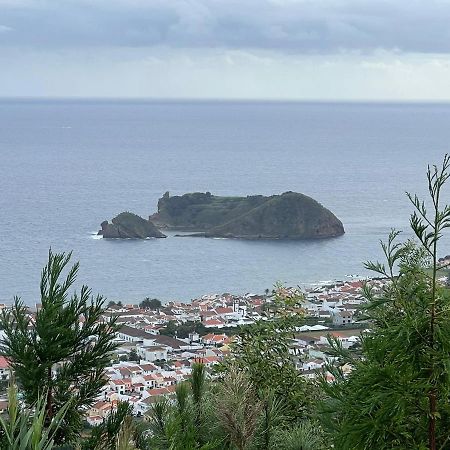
255,49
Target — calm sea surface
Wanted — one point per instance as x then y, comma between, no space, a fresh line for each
65,166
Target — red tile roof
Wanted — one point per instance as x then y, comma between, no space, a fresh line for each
4,364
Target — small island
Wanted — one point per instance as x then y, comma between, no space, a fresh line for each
129,226
289,215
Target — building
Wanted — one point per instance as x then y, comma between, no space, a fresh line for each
153,352
134,335
343,317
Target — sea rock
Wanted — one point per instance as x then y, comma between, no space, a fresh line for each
129,226
290,215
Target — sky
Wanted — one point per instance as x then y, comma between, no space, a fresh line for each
226,49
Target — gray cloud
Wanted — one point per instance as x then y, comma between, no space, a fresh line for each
298,26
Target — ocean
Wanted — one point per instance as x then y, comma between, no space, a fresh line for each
67,165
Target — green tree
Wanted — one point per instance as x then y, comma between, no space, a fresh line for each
262,350
238,408
150,303
159,419
303,436
172,425
183,330
274,414
397,395
182,428
61,354
170,329
126,439
133,356
188,423
198,387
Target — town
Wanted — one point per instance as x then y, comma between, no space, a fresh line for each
159,343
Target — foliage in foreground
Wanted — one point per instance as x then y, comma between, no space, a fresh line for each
228,414
59,360
25,429
63,353
262,351
118,432
397,395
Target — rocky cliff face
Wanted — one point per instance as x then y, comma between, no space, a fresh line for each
129,226
287,216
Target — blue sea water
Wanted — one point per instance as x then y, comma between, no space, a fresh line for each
65,166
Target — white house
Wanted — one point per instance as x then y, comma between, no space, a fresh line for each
343,317
153,352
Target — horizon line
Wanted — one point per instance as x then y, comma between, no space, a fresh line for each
219,99
155,100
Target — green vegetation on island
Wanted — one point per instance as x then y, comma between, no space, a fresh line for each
287,216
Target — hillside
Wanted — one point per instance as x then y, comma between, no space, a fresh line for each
287,216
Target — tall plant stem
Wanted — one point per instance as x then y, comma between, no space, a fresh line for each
432,392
